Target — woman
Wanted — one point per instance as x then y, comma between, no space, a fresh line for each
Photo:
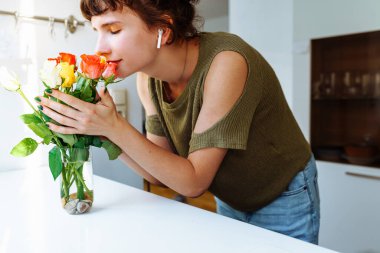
217,118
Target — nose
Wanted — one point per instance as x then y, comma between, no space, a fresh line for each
102,47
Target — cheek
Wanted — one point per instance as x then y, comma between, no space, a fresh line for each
138,55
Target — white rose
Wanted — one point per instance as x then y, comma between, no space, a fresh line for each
49,74
9,80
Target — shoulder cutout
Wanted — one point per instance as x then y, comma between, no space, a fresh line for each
224,84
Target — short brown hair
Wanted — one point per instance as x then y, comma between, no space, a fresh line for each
153,13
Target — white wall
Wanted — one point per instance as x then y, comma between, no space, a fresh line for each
268,27
23,49
216,24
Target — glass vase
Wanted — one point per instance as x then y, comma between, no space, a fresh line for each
76,180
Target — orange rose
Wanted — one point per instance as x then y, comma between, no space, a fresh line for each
110,70
92,65
69,58
65,57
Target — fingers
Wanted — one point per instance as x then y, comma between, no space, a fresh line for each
61,119
62,129
105,97
59,109
74,102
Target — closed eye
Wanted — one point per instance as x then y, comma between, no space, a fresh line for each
115,32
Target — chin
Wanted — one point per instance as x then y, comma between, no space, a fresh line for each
123,72
122,75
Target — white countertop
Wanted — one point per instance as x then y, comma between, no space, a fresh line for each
122,219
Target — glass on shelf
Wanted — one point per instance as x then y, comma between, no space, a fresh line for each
347,85
315,91
366,85
351,85
325,87
376,84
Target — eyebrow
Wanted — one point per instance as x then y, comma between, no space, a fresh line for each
107,24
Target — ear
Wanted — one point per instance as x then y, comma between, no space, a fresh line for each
164,35
167,34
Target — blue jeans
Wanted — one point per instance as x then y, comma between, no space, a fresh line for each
295,212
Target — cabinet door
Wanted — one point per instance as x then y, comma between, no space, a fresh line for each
350,207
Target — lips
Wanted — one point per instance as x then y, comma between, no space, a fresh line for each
114,61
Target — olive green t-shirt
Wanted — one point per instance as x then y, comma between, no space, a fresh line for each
266,147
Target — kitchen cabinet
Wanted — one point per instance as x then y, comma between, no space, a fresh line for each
206,201
350,207
345,98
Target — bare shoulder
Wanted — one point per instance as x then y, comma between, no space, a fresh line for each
142,84
224,84
227,75
143,92
229,65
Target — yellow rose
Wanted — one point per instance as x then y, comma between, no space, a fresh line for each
67,73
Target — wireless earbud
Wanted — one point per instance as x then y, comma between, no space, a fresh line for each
160,32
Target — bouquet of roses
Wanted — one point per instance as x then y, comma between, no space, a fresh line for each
71,151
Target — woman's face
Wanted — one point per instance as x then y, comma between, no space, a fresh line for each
124,38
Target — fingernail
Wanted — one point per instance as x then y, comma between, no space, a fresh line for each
37,99
40,107
48,90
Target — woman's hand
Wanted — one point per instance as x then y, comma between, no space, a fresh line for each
81,117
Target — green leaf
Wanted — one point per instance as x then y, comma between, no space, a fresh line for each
80,143
70,139
30,118
84,141
96,142
40,129
47,139
46,86
80,82
79,154
112,149
55,162
109,79
87,140
24,148
88,92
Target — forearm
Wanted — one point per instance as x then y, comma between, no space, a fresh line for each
138,169
170,169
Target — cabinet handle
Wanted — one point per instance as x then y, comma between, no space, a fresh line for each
362,175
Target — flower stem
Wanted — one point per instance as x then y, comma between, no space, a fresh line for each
79,176
27,100
64,182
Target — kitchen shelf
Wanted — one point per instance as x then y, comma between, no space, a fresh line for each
345,98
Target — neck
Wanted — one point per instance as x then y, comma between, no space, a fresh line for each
173,63
181,78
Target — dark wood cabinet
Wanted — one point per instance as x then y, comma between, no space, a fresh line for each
345,98
205,201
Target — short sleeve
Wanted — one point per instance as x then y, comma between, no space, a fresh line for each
153,125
